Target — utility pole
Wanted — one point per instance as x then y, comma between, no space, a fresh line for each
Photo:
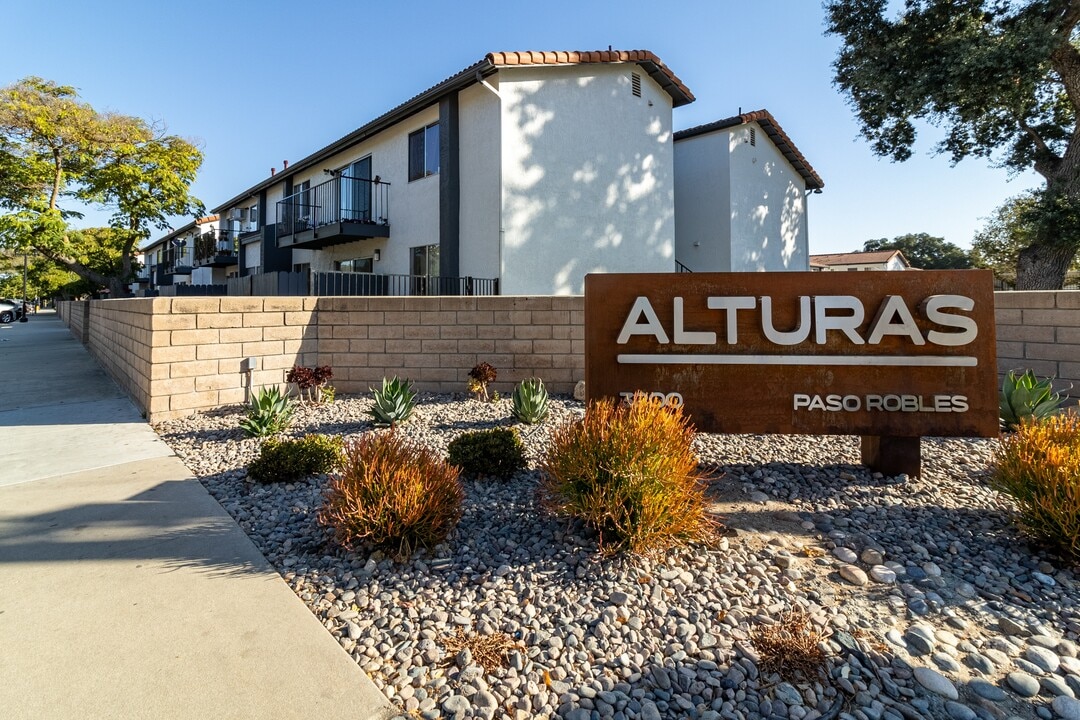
24,318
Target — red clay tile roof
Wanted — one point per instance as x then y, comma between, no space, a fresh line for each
857,258
776,133
658,71
650,63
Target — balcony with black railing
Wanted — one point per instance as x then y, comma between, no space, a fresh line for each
371,284
341,210
217,248
176,258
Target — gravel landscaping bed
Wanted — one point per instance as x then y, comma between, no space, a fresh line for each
935,606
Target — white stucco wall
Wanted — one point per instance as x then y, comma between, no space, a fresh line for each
893,264
587,176
743,205
703,203
481,178
202,276
413,207
252,255
768,206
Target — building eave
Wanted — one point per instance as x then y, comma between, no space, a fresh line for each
776,134
474,73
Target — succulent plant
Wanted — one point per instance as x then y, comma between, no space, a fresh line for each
270,413
479,377
530,400
394,402
310,381
1026,396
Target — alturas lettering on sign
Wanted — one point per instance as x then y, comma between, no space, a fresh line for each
903,354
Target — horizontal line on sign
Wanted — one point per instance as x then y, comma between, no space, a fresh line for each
893,360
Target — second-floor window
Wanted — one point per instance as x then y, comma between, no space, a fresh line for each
253,218
424,152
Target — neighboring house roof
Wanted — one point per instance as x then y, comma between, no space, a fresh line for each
875,257
649,62
776,133
672,85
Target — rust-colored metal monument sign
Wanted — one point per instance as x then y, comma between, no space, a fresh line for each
891,356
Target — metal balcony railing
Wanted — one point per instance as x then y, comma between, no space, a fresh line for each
367,284
214,244
343,199
176,258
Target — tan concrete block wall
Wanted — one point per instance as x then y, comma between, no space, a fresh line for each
436,341
177,355
74,316
120,338
1040,331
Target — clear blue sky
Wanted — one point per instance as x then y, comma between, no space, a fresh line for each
256,83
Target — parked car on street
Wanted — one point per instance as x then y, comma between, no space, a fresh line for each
11,310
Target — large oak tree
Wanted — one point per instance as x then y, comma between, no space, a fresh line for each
57,154
1000,77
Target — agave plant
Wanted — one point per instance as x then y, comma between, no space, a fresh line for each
530,400
270,413
1026,396
394,402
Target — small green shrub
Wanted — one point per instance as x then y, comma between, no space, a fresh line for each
497,452
393,494
394,402
270,412
1026,396
530,400
629,472
479,377
1039,466
290,460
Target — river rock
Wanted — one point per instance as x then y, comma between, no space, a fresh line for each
1066,708
936,683
853,574
1023,684
1045,659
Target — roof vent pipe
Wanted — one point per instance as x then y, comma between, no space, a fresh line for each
272,171
284,164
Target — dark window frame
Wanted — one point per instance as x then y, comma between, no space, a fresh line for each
424,152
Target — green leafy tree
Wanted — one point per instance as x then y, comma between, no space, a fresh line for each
58,153
1007,232
99,249
924,251
1001,77
44,278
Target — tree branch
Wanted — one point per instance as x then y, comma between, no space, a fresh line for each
1069,20
1046,160
58,177
71,264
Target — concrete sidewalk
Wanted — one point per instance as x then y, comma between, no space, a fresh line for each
126,591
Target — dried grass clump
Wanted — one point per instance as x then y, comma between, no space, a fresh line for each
791,647
629,472
490,652
1039,466
393,494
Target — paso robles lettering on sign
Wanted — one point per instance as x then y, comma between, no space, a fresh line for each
882,403
904,354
